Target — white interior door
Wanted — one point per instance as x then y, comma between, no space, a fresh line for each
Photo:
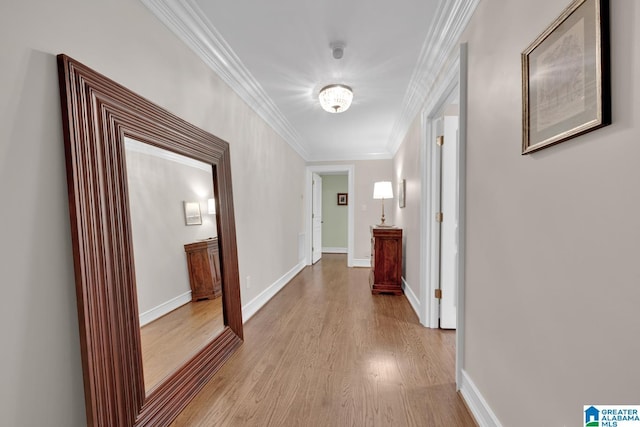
316,218
449,225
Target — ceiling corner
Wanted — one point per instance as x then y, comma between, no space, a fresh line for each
449,22
184,18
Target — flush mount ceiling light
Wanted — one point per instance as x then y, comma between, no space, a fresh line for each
335,98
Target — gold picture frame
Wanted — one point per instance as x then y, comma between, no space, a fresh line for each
566,88
402,188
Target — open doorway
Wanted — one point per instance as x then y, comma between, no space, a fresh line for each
314,244
316,217
335,218
444,193
329,214
446,178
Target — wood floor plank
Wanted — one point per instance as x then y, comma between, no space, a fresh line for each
170,340
325,352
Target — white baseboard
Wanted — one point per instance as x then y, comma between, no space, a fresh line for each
414,301
331,250
164,308
362,263
477,405
252,307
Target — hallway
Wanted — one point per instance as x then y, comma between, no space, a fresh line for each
325,352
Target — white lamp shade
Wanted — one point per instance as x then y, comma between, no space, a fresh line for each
382,190
211,206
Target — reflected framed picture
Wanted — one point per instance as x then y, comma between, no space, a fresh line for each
402,186
343,199
566,88
192,214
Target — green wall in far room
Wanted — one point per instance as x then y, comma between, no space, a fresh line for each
334,216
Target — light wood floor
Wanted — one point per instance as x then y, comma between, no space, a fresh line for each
325,352
174,338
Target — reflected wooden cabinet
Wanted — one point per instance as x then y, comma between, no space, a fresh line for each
386,260
203,263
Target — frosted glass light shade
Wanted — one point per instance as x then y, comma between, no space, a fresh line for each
211,206
382,190
335,98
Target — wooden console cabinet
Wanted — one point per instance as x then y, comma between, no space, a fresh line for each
203,262
386,260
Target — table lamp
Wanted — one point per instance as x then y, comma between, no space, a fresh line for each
382,190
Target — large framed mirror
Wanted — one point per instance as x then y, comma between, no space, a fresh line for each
155,254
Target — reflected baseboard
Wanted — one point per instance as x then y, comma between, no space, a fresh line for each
252,307
164,308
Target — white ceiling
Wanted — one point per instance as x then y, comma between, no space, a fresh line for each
276,54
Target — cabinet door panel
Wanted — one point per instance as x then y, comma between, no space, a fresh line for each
386,261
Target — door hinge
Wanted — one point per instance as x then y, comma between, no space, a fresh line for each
439,217
438,293
440,140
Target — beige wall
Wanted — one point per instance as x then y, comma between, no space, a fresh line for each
40,362
407,167
367,211
553,238
334,216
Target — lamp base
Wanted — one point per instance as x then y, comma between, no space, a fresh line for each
382,224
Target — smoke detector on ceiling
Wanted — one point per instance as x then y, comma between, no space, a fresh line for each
337,49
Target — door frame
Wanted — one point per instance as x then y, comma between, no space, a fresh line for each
455,75
316,196
349,170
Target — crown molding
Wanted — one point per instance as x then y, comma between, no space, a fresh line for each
449,22
342,156
188,22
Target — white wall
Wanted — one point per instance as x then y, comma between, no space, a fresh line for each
553,278
40,363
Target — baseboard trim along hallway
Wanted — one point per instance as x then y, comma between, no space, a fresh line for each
252,307
411,297
477,404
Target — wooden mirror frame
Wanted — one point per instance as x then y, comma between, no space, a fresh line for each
97,115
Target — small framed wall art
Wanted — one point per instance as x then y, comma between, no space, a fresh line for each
566,88
192,214
343,199
402,187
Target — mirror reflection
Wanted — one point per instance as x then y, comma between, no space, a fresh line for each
175,246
